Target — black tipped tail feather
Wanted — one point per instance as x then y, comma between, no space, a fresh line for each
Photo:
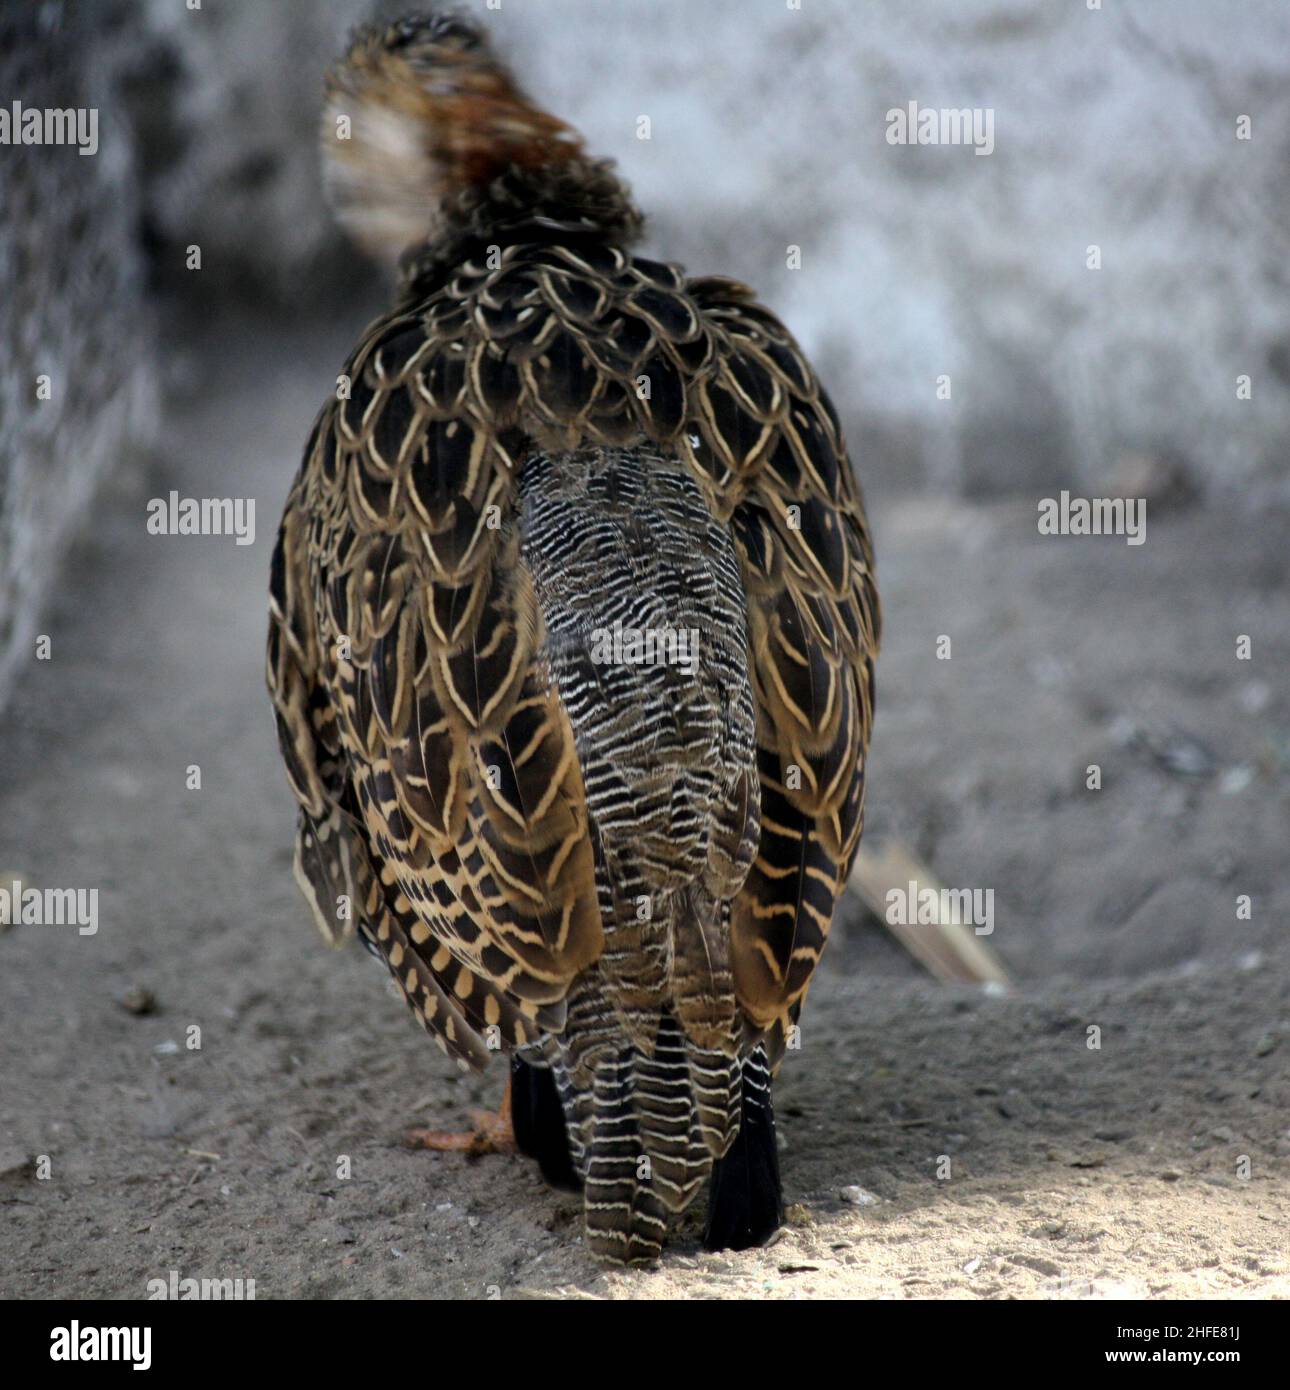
746,1204
538,1119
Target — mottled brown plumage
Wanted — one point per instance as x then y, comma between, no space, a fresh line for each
629,872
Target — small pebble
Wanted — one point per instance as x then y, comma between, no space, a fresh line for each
858,1197
139,1001
1184,756
1235,780
1255,696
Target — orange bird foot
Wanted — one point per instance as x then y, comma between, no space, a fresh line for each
492,1133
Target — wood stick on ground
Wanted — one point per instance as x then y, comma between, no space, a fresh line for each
950,950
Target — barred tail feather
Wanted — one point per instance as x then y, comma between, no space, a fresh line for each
626,1219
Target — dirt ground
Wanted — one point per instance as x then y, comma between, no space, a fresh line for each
937,1142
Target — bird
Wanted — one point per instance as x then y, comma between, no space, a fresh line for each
572,633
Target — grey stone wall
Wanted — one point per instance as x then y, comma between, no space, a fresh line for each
77,383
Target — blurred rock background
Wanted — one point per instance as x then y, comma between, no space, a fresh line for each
75,324
1114,127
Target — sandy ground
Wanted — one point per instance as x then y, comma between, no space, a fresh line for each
996,1154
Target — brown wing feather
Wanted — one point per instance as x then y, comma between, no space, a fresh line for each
813,633
406,644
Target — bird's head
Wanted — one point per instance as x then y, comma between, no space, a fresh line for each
418,115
